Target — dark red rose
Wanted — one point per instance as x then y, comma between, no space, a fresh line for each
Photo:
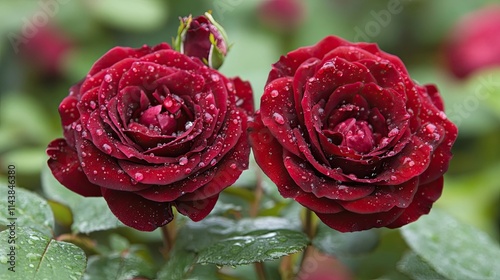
204,38
343,130
474,42
149,129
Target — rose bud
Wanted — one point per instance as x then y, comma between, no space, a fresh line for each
343,130
150,129
282,15
204,38
474,42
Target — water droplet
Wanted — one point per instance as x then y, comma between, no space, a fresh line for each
188,170
107,149
394,178
99,132
151,68
215,77
188,125
213,162
233,166
183,161
274,93
108,78
138,176
278,118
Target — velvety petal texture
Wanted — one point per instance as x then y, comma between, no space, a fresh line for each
150,129
345,131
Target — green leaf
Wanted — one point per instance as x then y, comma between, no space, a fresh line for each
256,246
125,265
89,213
178,267
453,249
30,210
130,14
337,243
197,236
412,265
39,257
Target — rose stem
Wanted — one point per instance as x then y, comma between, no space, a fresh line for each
168,238
254,210
308,230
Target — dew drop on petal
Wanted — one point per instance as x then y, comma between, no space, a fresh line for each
183,161
99,132
108,78
107,148
188,170
233,166
274,93
138,176
278,118
93,105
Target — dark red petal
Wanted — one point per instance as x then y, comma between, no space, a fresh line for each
426,195
174,59
226,171
347,222
118,54
300,79
103,170
66,168
162,174
318,205
435,97
268,154
198,209
137,212
384,198
278,113
287,65
244,93
305,177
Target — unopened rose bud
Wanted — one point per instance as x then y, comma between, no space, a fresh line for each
204,38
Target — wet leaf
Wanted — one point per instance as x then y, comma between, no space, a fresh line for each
125,265
255,246
412,265
337,243
452,248
89,213
30,210
40,257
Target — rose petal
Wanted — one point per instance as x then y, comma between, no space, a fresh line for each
137,212
196,210
318,205
268,154
348,222
244,93
426,195
309,182
104,170
384,198
65,167
278,113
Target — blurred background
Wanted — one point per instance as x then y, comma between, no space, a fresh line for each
48,45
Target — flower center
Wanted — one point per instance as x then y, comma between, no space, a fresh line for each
355,134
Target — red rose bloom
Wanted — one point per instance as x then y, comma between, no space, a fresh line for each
149,129
474,42
343,130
